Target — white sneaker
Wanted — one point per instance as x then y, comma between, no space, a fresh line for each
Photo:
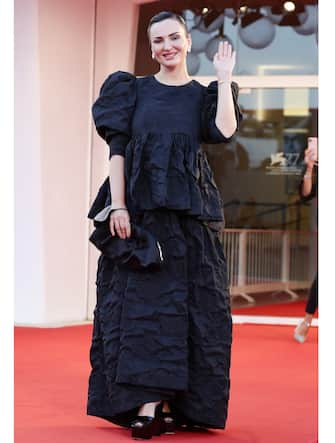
301,331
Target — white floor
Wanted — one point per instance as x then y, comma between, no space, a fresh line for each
264,320
237,319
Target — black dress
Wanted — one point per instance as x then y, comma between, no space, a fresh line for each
164,333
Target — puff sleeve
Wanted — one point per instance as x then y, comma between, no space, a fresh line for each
210,132
113,110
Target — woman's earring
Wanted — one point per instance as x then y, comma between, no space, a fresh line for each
189,49
153,55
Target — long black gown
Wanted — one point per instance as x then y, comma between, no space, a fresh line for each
163,334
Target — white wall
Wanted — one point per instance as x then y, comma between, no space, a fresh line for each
29,266
53,79
62,55
66,65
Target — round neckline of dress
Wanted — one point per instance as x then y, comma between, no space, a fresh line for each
172,86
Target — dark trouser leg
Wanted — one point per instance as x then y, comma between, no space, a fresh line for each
312,302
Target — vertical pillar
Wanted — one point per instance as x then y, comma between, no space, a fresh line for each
29,267
242,259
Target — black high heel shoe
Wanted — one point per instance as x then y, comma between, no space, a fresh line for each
144,427
168,423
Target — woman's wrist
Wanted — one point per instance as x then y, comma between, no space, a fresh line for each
117,203
308,173
121,210
116,207
224,77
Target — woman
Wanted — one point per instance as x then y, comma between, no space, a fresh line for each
161,343
308,191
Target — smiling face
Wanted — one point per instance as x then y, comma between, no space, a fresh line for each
169,42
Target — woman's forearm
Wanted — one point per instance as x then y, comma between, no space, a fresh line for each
225,115
307,182
117,181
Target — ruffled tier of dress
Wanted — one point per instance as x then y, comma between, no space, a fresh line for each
170,171
167,171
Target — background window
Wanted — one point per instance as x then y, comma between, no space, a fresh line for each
263,46
259,173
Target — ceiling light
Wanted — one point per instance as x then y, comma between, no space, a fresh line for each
289,6
243,9
204,10
294,18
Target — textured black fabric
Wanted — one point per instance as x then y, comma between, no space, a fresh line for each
210,132
164,334
112,111
312,301
139,251
159,129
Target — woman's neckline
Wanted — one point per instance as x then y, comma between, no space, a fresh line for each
172,86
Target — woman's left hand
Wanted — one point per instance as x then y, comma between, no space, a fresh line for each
224,61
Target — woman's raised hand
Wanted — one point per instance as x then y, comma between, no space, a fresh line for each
224,61
119,223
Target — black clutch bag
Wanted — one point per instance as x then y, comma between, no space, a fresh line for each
140,251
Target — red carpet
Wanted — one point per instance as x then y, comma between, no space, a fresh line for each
291,309
273,395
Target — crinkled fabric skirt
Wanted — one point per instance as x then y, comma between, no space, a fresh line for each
164,334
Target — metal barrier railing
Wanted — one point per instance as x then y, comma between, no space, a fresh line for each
269,260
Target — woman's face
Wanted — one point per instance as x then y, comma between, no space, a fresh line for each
169,42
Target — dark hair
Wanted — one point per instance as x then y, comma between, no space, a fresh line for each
165,15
